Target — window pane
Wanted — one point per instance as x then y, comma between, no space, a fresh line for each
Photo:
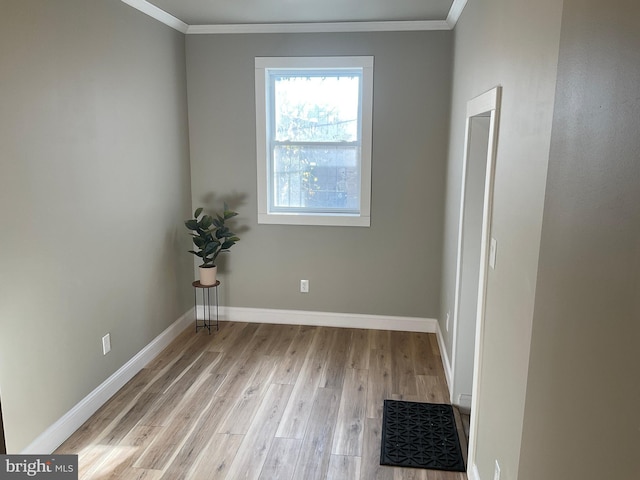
313,140
323,178
316,108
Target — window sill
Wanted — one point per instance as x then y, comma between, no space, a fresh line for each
306,219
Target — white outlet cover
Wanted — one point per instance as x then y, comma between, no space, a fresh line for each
106,344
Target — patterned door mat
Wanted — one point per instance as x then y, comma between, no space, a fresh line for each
420,435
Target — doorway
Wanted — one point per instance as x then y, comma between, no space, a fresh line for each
468,273
476,200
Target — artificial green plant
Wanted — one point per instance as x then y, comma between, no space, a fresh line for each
211,235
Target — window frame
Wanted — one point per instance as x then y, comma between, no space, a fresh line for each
262,67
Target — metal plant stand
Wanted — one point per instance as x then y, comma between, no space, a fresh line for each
206,321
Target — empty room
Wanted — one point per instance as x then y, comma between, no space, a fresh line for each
415,203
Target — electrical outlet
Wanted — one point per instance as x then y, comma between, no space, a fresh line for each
304,286
496,473
447,322
106,344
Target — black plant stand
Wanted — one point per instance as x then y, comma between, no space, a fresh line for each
206,305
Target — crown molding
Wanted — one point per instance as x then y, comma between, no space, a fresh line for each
329,27
454,12
157,13
334,27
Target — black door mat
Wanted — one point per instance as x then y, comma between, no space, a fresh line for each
420,435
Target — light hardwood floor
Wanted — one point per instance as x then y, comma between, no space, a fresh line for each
261,401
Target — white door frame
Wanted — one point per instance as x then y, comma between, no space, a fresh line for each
487,104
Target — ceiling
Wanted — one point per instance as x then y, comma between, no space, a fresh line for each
230,12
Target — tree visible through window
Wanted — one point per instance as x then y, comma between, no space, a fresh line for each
316,145
313,143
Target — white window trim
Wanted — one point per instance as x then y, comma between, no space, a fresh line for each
363,219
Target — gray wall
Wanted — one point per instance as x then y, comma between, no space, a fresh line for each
583,391
391,268
94,184
513,44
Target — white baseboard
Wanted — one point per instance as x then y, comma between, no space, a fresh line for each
448,372
326,319
472,472
62,429
464,403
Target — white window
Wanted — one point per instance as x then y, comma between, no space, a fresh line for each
313,127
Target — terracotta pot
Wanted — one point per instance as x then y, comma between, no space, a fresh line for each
208,275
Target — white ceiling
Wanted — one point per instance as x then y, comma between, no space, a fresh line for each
229,12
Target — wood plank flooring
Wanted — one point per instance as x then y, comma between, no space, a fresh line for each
263,402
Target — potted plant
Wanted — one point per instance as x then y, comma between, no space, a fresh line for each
212,237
